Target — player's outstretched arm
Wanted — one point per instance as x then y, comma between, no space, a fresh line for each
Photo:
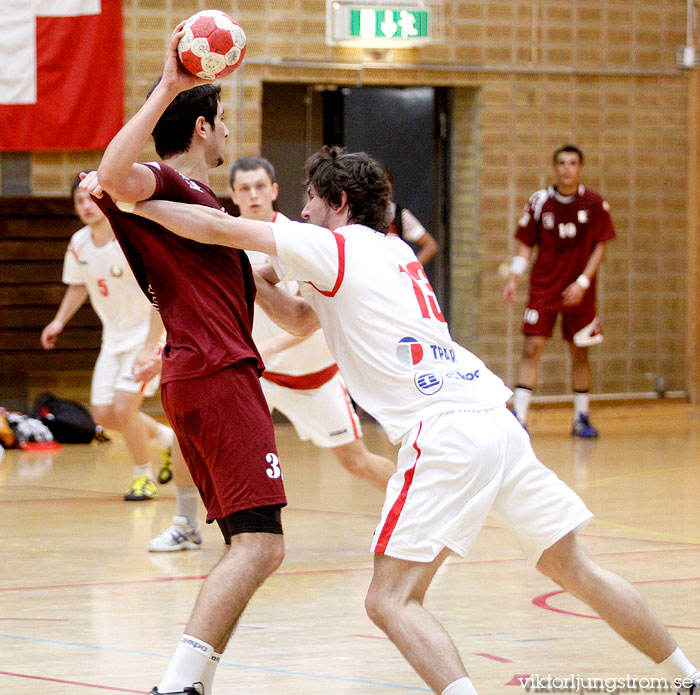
290,312
206,225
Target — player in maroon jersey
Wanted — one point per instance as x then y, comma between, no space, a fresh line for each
570,225
210,381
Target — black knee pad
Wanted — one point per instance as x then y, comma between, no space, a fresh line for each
257,520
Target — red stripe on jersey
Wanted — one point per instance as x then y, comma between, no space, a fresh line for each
340,242
393,516
302,382
348,405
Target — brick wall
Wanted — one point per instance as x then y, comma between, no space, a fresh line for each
528,76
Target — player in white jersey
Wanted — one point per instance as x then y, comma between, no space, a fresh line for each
95,267
301,378
463,454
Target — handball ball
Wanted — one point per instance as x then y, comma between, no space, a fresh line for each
213,45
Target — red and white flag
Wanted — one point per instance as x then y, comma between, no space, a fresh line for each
61,74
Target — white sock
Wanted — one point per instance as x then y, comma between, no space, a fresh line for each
164,436
210,672
678,666
189,665
581,400
187,503
521,402
462,686
146,469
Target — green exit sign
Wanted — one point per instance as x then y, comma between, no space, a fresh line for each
402,25
397,23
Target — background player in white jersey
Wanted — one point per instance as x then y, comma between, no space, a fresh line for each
301,378
570,225
95,267
462,455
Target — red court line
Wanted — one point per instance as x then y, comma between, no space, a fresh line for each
500,659
59,680
542,601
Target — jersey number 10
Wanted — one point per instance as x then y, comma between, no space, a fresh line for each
427,301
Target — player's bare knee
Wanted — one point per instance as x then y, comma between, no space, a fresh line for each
104,416
377,606
533,347
561,562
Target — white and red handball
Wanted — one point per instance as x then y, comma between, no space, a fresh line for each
213,45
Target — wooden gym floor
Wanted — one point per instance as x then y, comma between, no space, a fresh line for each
84,608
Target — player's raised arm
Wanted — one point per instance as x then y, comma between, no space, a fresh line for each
206,225
119,172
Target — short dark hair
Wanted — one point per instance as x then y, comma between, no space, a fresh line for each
251,164
332,170
567,148
74,185
173,132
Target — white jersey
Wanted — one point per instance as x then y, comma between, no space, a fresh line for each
308,357
114,293
384,326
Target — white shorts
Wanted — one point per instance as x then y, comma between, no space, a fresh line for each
112,373
453,470
324,415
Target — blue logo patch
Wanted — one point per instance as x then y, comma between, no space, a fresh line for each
428,383
409,351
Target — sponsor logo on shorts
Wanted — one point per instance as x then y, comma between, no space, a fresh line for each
409,351
531,316
338,432
428,383
548,220
464,376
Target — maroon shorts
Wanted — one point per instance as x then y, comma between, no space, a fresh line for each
541,321
225,431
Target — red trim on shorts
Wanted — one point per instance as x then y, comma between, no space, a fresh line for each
303,382
340,242
393,515
348,405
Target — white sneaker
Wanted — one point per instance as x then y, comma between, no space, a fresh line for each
692,690
180,536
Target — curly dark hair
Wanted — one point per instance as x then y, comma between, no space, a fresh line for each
173,132
332,170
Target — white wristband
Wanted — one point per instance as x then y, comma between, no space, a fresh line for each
518,265
583,282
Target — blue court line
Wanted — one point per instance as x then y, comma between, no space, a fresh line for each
243,667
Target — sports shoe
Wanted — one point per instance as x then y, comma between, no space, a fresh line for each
582,427
694,689
165,474
194,689
142,488
180,536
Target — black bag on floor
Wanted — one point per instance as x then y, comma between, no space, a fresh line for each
69,422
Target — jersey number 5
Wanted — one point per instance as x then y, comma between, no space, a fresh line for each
102,284
427,301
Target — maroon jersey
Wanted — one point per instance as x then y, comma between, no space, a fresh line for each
204,293
566,230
